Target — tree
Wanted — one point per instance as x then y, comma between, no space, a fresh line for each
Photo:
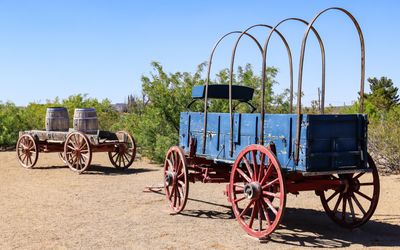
155,125
383,93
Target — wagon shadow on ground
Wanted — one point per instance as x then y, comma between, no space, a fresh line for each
312,228
96,169
109,170
198,213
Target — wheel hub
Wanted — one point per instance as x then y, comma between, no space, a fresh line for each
252,190
169,178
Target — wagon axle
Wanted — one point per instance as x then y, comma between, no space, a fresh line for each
170,178
252,190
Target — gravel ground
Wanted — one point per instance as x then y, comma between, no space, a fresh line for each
50,207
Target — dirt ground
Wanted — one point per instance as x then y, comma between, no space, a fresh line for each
50,207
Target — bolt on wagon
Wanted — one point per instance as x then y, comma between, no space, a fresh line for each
263,157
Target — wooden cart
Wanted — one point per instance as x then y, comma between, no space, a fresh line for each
75,148
263,157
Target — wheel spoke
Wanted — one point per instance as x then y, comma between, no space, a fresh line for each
179,166
259,216
254,211
246,162
243,175
255,164
271,194
358,175
173,160
181,183
181,193
337,203
171,191
118,160
332,196
270,183
239,199
126,158
363,195
344,209
246,208
265,210
23,160
270,205
175,197
353,215
123,159
267,174
358,204
170,165
261,167
367,184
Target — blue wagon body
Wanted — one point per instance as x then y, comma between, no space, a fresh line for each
328,142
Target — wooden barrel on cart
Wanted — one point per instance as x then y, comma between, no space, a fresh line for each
57,119
85,120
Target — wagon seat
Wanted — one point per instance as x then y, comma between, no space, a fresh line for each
242,94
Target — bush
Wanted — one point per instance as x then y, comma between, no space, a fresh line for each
14,119
384,141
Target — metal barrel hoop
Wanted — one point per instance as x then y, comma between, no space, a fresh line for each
208,77
301,63
264,66
263,90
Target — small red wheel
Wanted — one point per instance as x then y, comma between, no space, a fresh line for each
176,184
257,191
352,204
125,152
77,151
27,151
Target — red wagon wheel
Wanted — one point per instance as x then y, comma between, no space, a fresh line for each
77,151
353,204
27,151
125,152
176,183
257,191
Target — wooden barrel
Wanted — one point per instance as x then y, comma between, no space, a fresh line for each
85,120
57,119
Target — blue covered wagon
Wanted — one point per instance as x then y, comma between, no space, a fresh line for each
263,157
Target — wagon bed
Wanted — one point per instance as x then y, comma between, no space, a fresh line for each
328,142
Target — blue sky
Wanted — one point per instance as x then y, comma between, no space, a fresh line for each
102,48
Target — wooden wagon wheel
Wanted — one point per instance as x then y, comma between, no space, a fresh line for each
351,205
257,191
27,151
77,151
125,152
176,184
